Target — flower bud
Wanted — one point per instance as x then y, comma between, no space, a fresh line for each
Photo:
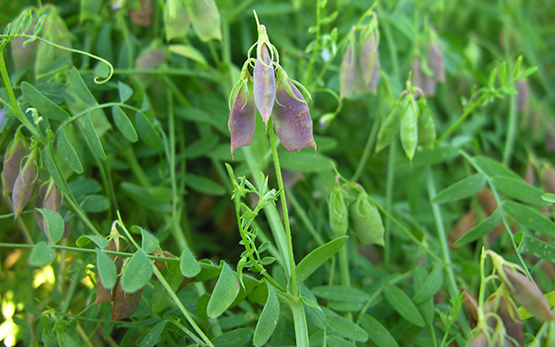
12,161
367,222
51,200
416,74
527,294
347,73
176,20
142,16
523,90
369,58
436,61
506,310
339,216
205,19
242,118
264,81
24,183
291,116
409,129
326,119
479,340
54,30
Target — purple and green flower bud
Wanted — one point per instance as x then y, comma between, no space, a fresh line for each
347,70
291,116
369,62
367,222
436,61
523,91
409,128
24,183
338,213
527,294
242,118
264,84
326,119
12,162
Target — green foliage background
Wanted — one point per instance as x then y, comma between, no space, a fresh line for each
162,166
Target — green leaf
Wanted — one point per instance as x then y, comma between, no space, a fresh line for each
125,91
434,156
149,242
344,327
52,168
537,248
517,189
426,307
160,296
153,334
189,52
42,254
548,197
462,189
93,139
80,88
402,304
226,290
234,338
68,153
84,186
84,240
341,293
305,161
146,131
44,106
493,168
137,273
106,269
317,257
376,332
124,124
268,318
430,286
529,217
188,265
95,203
54,227
203,185
160,194
479,230
335,341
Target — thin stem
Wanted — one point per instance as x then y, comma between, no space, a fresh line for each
306,221
299,319
389,200
447,265
462,118
367,150
511,132
293,277
316,50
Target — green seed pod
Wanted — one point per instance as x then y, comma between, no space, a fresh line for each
367,222
24,183
409,129
12,163
339,215
426,128
389,127
527,295
205,18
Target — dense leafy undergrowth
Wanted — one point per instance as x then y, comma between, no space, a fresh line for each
161,185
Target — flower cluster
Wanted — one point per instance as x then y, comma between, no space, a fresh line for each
270,91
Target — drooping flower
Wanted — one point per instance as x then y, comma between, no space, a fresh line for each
277,98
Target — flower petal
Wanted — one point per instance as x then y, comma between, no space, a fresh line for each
242,119
291,119
264,84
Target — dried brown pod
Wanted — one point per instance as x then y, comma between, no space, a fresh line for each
471,305
467,222
103,294
530,174
547,179
527,294
142,16
125,304
506,310
478,340
24,183
486,200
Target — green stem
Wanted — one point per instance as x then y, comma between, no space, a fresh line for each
511,132
462,118
344,267
447,265
271,213
388,201
306,221
367,150
289,238
316,50
299,319
177,232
